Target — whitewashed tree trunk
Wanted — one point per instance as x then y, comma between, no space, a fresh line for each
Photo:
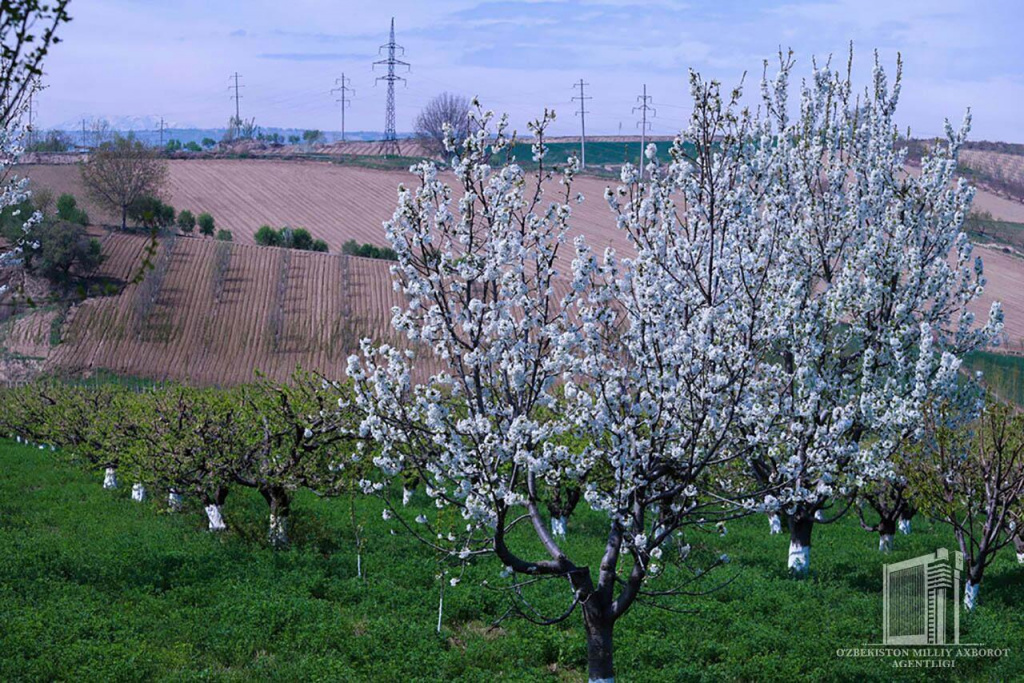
800,530
799,558
885,543
175,501
774,524
216,518
138,493
110,478
558,526
819,515
406,497
904,526
971,595
278,535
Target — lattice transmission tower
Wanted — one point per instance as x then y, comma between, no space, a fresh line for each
389,145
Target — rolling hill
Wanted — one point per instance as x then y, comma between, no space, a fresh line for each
213,312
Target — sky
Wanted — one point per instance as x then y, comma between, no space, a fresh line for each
173,58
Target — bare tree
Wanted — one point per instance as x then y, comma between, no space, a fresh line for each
445,108
121,171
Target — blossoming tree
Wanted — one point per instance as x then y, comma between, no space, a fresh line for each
876,276
644,363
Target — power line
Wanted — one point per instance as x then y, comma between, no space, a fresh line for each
582,113
390,143
643,123
236,96
344,90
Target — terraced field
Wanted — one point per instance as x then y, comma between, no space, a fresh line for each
213,313
336,203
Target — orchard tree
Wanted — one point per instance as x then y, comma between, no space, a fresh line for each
875,279
296,435
88,423
890,500
644,362
123,171
188,442
973,480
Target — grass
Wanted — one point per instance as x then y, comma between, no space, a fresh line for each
1005,233
1004,374
95,587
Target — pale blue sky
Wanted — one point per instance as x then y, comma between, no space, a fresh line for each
172,58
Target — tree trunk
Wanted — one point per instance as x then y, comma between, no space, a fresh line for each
138,492
905,516
801,524
110,478
973,586
1018,544
280,505
599,626
886,531
558,526
774,524
124,217
213,512
406,497
174,501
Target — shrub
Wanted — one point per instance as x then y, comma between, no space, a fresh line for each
63,247
268,237
206,225
354,248
67,210
193,147
186,222
151,212
290,238
224,235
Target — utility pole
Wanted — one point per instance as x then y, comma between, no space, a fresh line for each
643,123
83,133
343,88
162,129
390,143
582,113
236,96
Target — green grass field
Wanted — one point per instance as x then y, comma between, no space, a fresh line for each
95,587
1003,374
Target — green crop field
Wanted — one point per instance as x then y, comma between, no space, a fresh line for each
96,587
1003,374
